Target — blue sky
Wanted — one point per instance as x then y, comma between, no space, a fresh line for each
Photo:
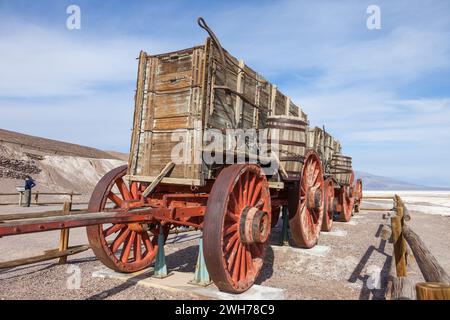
384,93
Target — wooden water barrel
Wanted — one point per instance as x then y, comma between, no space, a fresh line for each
341,168
291,134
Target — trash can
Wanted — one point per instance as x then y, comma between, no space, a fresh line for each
21,191
27,198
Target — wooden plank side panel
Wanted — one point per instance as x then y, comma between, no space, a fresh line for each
138,97
280,104
173,102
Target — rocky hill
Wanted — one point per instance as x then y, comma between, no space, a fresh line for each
55,165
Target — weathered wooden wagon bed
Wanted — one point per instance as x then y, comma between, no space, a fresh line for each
183,98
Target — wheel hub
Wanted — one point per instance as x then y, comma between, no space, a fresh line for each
314,198
254,226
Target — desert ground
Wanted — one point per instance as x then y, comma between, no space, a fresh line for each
345,264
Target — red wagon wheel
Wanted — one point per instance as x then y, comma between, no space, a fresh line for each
346,201
328,208
121,247
306,203
236,228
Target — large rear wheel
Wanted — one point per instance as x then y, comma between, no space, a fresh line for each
306,203
346,201
236,228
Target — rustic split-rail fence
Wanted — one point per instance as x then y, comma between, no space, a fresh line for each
405,241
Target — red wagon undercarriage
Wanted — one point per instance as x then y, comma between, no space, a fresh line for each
235,212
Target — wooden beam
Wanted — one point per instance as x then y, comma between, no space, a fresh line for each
432,291
48,255
33,215
238,110
64,235
386,232
273,95
399,288
400,251
429,266
288,104
164,172
78,220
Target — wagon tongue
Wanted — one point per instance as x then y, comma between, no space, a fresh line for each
74,221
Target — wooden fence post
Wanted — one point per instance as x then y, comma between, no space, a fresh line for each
400,250
36,197
64,237
433,291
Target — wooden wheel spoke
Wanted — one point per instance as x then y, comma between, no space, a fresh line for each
115,198
231,229
242,270
237,264
232,256
147,243
231,242
256,193
134,189
138,248
123,189
251,188
113,229
120,239
127,247
245,192
249,260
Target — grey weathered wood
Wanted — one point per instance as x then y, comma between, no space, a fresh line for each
431,270
48,255
400,247
64,234
32,215
399,288
386,232
403,289
158,179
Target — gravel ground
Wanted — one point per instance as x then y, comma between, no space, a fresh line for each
344,266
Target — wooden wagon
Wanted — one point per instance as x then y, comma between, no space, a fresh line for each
342,197
183,171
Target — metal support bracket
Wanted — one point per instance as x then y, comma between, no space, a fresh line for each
201,277
160,263
285,230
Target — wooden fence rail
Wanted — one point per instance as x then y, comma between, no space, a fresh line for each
437,285
64,249
38,194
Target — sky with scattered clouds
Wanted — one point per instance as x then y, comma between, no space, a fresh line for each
384,93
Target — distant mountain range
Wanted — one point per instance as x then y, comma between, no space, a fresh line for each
374,182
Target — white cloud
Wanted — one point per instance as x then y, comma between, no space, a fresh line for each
38,61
